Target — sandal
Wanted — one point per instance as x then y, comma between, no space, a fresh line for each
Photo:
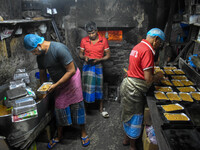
84,141
105,114
52,143
126,144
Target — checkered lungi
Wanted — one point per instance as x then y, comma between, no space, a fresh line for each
75,113
92,82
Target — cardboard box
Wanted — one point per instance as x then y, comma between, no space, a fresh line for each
147,117
147,145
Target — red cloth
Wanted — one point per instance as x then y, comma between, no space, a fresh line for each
141,58
94,51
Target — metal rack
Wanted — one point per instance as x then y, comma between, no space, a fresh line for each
190,72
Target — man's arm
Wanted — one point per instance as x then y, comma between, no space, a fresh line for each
150,78
70,71
106,57
81,55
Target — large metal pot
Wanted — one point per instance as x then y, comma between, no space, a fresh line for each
16,132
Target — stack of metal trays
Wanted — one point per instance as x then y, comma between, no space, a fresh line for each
13,95
23,105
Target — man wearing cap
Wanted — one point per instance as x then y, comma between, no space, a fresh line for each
69,106
94,49
140,76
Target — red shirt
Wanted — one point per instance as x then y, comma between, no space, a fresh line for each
141,58
94,51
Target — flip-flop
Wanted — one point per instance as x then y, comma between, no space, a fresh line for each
105,114
127,144
83,141
53,143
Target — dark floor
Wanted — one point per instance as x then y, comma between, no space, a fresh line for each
104,133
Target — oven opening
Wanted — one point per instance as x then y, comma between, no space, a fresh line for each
112,35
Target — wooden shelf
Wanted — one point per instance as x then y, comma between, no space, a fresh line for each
17,21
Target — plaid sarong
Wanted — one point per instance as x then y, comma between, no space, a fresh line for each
92,81
74,113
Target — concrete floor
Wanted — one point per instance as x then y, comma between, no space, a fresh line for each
104,133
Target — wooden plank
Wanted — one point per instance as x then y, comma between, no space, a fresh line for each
16,21
3,50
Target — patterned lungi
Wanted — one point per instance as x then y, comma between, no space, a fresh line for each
133,127
92,81
74,113
132,93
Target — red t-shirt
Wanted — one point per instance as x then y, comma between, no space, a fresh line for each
141,58
94,51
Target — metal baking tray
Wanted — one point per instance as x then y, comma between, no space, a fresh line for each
162,94
41,90
173,123
156,67
182,114
186,97
18,76
195,95
176,123
23,109
23,101
16,93
178,71
177,82
173,110
174,98
179,77
169,72
163,88
187,89
169,67
166,82
187,82
17,83
158,70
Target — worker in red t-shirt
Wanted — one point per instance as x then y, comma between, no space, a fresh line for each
93,50
134,87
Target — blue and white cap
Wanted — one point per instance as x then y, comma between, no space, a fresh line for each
31,41
156,32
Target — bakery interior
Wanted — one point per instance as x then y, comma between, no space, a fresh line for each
124,23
